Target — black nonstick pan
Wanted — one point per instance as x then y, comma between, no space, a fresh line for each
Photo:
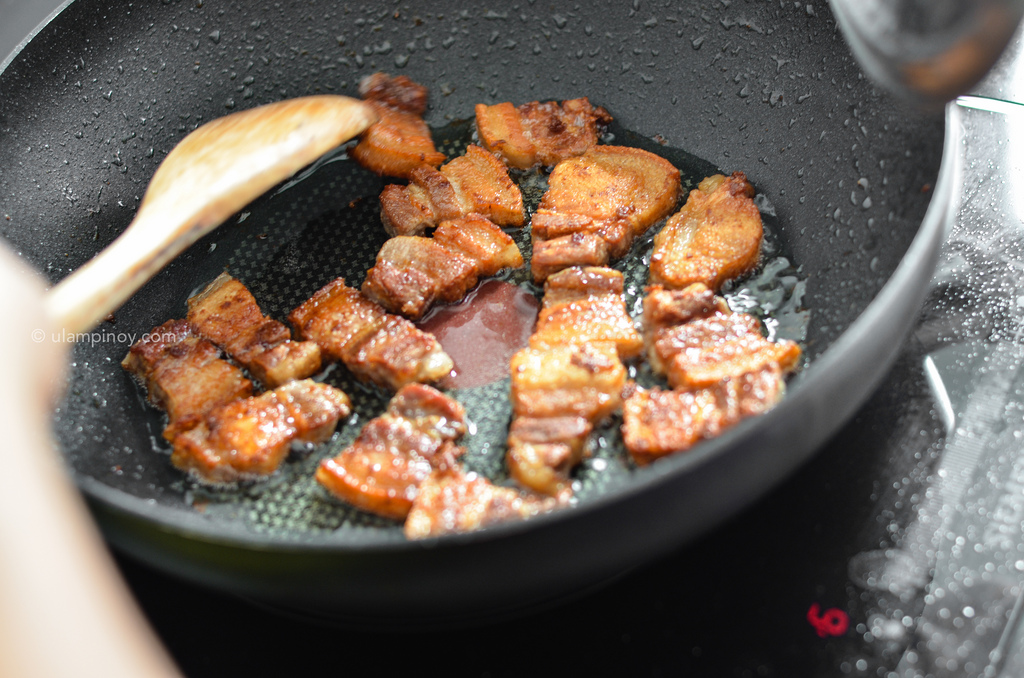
848,179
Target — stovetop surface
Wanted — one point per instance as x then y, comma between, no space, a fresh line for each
894,550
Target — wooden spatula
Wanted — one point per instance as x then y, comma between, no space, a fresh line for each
211,174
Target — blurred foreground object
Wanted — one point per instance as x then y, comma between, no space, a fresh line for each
65,611
928,51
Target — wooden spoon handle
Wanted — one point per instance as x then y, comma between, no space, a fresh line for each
211,174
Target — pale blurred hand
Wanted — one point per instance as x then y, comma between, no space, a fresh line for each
64,611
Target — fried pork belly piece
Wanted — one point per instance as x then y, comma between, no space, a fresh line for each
657,422
577,380
414,272
714,237
583,305
249,438
704,351
578,249
476,182
694,339
558,393
543,451
227,314
450,501
571,377
399,141
665,308
383,468
613,193
184,374
373,344
540,133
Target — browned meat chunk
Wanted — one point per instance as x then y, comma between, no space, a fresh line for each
696,340
540,133
249,438
578,380
571,377
542,452
578,249
450,501
665,308
583,305
373,344
184,374
657,423
714,237
227,314
704,351
476,182
382,470
399,141
612,192
414,272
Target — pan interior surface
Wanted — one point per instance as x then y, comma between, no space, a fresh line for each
325,223
92,104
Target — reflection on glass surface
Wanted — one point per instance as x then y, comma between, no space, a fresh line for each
945,598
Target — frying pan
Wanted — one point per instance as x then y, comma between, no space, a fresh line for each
849,181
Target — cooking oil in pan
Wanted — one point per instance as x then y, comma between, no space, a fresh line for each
325,223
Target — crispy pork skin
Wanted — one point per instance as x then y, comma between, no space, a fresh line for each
248,438
539,133
714,237
658,422
372,343
382,470
227,314
414,272
184,374
476,182
399,141
451,501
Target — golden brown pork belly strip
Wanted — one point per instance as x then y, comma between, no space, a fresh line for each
558,393
184,374
579,380
657,422
249,438
714,237
696,341
476,182
573,368
373,344
583,305
543,451
414,272
540,133
382,470
399,141
612,192
450,501
227,314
